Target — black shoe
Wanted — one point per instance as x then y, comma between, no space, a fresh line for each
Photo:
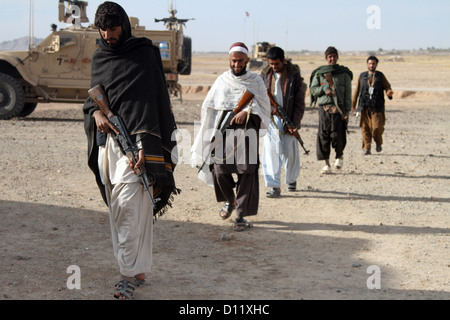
379,148
292,186
274,193
367,152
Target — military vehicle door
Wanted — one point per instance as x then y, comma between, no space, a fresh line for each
61,60
91,42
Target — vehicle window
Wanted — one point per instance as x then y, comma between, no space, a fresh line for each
66,41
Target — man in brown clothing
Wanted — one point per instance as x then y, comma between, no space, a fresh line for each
240,142
370,91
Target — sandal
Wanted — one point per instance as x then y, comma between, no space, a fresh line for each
226,211
241,224
138,282
125,289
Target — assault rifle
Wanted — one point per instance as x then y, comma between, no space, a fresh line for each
286,120
225,124
129,148
336,95
337,98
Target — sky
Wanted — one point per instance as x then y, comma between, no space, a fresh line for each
294,25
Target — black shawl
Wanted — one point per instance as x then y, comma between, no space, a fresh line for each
133,77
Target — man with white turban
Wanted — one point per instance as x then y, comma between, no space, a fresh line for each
220,161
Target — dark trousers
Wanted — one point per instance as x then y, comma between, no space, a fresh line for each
247,184
247,191
332,133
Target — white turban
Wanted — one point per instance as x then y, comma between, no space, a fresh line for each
239,47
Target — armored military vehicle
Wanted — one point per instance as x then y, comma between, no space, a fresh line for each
259,58
58,69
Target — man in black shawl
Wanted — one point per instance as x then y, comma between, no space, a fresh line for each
130,70
335,103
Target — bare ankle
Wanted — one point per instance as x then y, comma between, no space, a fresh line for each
140,276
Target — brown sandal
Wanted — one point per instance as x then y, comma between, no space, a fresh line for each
241,224
226,211
138,282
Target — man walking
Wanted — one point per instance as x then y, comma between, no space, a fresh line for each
331,89
370,90
130,71
242,135
283,80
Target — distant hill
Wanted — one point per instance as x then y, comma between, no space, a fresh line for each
17,44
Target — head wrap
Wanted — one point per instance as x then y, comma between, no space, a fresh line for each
110,14
239,47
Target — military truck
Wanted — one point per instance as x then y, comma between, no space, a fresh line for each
259,58
58,69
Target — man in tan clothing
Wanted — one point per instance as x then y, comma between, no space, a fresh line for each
370,91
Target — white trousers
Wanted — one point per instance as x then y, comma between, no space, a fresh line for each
130,211
280,150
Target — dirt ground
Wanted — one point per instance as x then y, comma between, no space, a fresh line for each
388,212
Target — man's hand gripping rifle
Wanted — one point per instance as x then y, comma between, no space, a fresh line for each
286,120
336,97
226,122
129,148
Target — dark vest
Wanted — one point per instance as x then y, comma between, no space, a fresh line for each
376,103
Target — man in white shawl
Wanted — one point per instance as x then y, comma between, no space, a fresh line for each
236,151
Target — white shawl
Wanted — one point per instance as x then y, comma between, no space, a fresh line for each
224,95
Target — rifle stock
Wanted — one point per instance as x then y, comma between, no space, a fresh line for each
97,94
286,119
244,101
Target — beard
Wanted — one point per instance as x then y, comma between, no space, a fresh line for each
119,41
240,73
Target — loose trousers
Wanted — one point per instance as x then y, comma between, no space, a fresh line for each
372,127
130,211
242,161
332,133
280,150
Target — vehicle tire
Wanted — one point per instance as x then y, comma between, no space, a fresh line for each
185,67
11,97
28,109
